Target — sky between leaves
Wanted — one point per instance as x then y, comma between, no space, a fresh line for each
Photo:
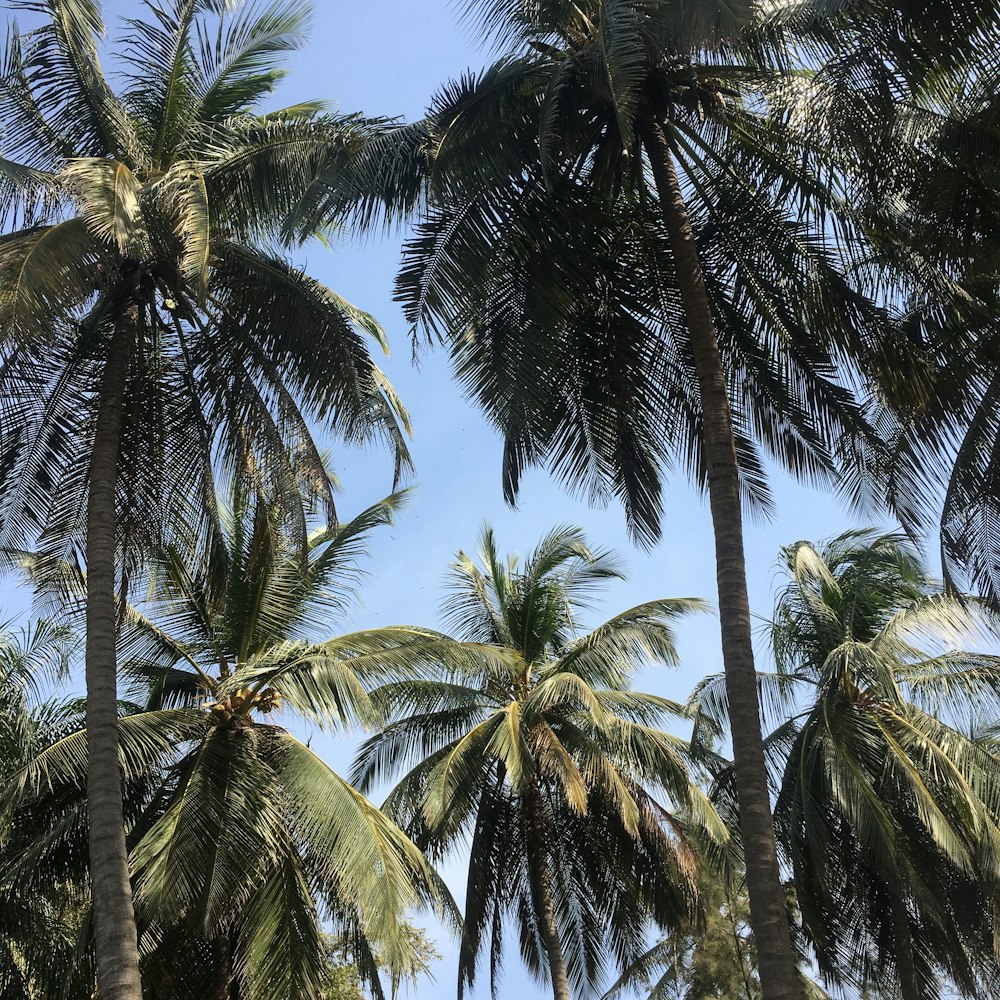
386,58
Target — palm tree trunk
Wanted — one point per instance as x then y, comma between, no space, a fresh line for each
539,858
114,916
902,942
767,903
223,949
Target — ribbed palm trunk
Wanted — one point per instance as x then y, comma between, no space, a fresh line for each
909,988
779,980
539,857
114,917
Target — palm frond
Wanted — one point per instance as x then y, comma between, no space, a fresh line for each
378,873
219,833
109,194
241,62
48,274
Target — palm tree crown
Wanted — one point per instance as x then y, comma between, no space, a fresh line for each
911,803
887,812
243,842
543,260
143,225
526,738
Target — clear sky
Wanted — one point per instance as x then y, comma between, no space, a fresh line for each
386,57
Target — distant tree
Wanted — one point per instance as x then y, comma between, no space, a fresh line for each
714,957
343,981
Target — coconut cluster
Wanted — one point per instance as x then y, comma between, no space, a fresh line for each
241,703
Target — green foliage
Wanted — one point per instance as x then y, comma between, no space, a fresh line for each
147,223
341,983
712,959
714,956
837,161
907,93
888,810
944,473
523,738
541,260
342,980
717,962
245,845
41,915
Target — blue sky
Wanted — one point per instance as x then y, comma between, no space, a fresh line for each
386,57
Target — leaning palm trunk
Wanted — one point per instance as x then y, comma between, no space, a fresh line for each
114,916
539,859
778,977
903,950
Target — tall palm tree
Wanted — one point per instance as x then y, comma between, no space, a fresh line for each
702,307
149,329
527,739
888,812
241,839
629,248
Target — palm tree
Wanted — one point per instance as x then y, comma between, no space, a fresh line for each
527,739
149,330
39,919
241,839
908,93
888,812
629,247
944,473
670,150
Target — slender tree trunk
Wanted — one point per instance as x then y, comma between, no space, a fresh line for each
767,903
745,968
539,859
114,916
902,943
